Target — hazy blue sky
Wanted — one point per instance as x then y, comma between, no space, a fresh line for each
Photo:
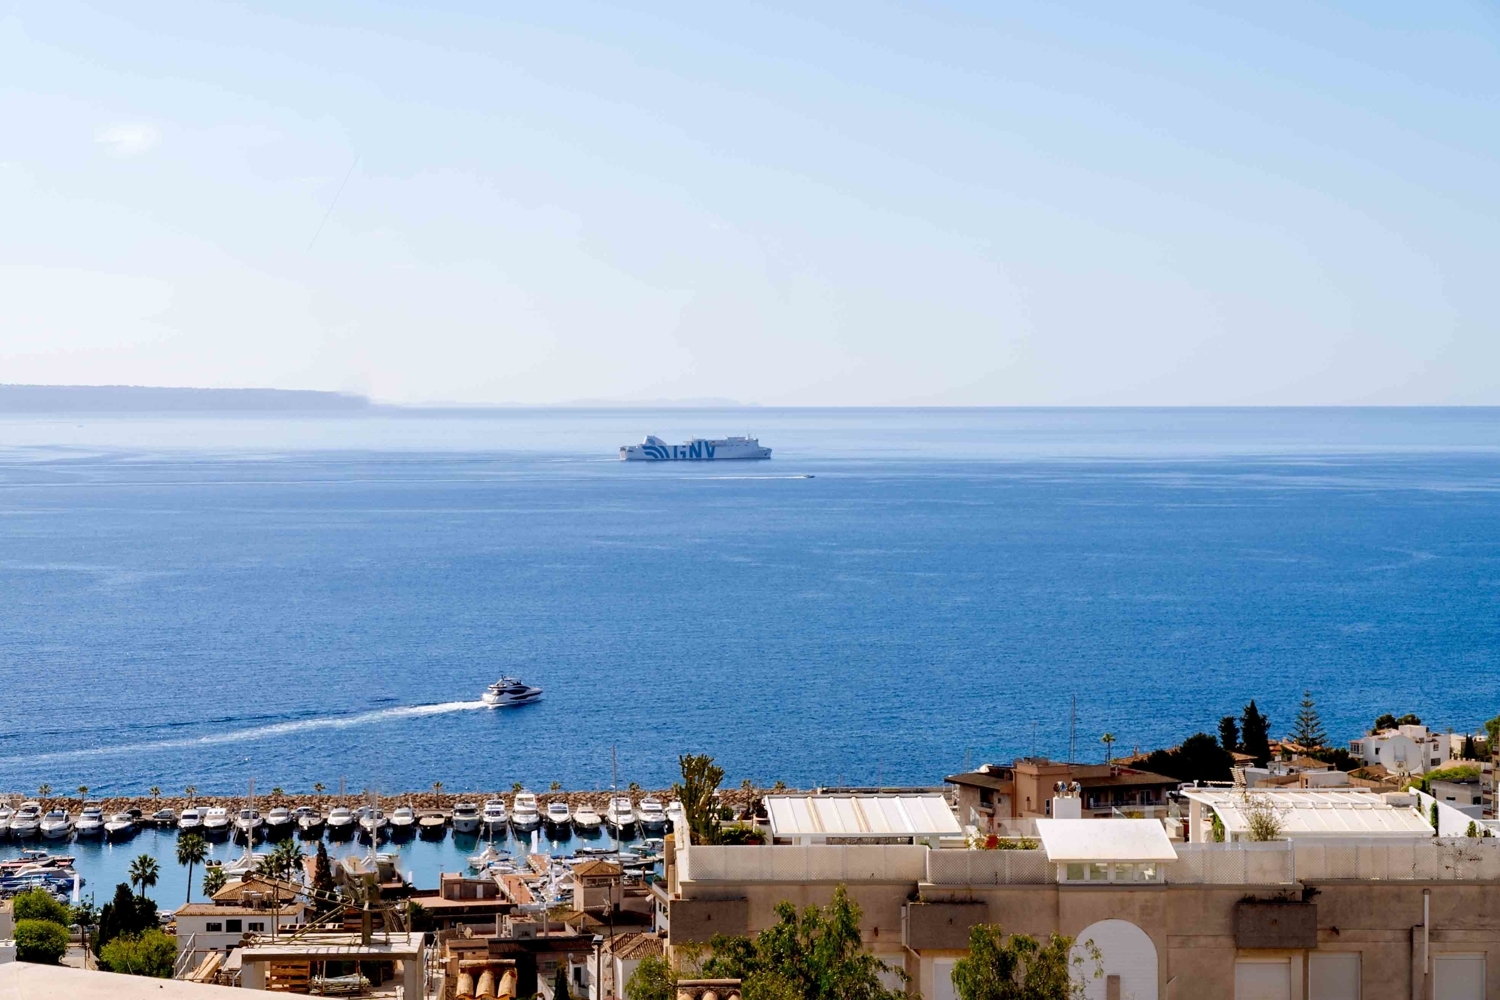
839,203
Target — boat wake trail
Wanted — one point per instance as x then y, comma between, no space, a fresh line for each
261,732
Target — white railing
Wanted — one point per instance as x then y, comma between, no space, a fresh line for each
990,868
810,863
1269,863
184,957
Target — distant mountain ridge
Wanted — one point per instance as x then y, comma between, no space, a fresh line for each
160,399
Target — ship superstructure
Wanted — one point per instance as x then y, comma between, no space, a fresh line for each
654,449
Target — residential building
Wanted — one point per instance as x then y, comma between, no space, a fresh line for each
464,901
998,799
1403,750
241,908
1299,772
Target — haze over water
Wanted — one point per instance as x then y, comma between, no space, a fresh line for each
206,600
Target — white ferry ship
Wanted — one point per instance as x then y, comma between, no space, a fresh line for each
654,449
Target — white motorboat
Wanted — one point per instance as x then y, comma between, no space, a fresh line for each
120,826
309,821
495,817
248,824
373,823
675,815
651,815
6,813
216,822
27,822
191,820
340,821
586,819
523,813
56,824
90,821
485,858
619,816
245,864
508,692
557,817
465,817
279,823
403,821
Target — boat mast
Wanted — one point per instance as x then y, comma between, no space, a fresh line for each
614,788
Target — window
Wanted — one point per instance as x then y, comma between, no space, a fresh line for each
1264,979
1333,976
1075,872
234,926
214,927
1457,977
1098,872
257,925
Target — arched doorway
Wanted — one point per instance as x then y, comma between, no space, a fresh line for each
1128,958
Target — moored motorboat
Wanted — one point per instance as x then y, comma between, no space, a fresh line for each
191,820
340,822
56,824
432,825
465,817
248,825
651,816
523,813
619,816
485,858
27,822
6,813
120,826
558,818
309,822
216,822
90,821
495,817
373,823
403,821
509,692
279,823
586,819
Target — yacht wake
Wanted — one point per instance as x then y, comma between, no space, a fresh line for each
270,731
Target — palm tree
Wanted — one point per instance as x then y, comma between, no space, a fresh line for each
516,787
283,863
191,790
83,791
277,792
155,791
213,880
43,791
1108,739
317,788
437,786
556,786
144,872
192,850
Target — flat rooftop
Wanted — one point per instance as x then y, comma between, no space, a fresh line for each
1321,812
861,816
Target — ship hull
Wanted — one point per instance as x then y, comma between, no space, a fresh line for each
697,450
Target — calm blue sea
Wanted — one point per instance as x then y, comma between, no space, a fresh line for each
208,600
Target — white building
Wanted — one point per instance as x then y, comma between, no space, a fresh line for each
205,927
1403,750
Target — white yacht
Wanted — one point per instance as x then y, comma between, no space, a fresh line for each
373,824
191,820
56,824
27,822
278,822
675,815
465,817
651,815
340,821
508,692
248,824
618,815
90,821
403,820
654,449
6,812
557,817
216,822
586,819
495,817
309,821
245,864
121,826
479,862
523,813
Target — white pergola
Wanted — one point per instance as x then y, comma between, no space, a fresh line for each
820,819
1303,813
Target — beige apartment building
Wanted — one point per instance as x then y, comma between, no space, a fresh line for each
1001,798
1311,918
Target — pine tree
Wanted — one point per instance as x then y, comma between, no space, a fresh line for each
1308,731
560,984
1255,737
323,883
1229,734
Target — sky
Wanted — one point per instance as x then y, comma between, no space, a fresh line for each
806,204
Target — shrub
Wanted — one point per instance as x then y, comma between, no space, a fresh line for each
39,904
41,941
151,953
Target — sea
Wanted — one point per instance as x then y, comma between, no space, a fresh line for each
205,600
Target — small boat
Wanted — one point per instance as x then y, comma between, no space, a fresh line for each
675,815
164,818
403,821
619,816
27,822
340,822
90,821
432,825
495,818
191,820
6,812
372,823
56,824
465,817
523,813
245,864
248,824
508,692
485,858
651,816
309,822
279,823
557,817
121,826
216,822
586,819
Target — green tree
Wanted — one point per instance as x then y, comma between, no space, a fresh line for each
653,979
190,791
144,871
317,788
83,791
1255,737
1200,758
1469,750
125,914
556,786
1020,967
1307,731
1229,734
155,791
213,880
38,904
1492,728
149,953
43,791
437,786
192,850
1108,739
560,989
814,955
323,883
700,782
41,941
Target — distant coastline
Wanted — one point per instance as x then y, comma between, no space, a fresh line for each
161,399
